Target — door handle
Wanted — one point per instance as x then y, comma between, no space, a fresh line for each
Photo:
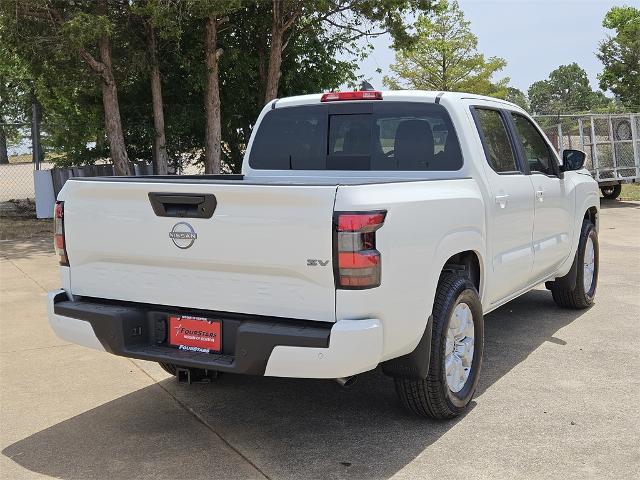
540,194
502,199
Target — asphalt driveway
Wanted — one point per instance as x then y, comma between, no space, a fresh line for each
559,397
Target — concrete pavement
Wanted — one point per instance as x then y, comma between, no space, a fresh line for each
558,397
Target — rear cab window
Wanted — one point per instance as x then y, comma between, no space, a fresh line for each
495,140
382,135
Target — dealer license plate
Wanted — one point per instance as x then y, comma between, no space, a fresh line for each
195,334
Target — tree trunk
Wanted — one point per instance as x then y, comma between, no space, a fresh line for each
160,157
275,52
212,99
4,156
261,48
112,120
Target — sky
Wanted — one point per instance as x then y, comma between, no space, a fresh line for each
533,36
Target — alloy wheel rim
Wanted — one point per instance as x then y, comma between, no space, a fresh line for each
589,265
459,347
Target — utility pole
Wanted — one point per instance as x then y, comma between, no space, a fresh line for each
36,146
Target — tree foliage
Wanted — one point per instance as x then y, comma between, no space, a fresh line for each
517,96
567,90
67,39
445,57
73,113
620,55
15,99
347,20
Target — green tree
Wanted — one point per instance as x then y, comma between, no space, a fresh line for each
14,98
82,31
567,90
445,57
215,14
347,20
157,20
309,65
517,96
71,94
620,55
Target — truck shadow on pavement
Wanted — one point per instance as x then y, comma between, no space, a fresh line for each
287,428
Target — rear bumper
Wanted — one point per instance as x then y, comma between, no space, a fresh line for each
251,344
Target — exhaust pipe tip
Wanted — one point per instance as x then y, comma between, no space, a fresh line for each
346,381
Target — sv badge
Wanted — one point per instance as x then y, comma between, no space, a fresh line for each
312,262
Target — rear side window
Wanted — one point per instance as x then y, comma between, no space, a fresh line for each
357,136
291,139
495,140
536,150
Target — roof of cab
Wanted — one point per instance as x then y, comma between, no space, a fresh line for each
396,95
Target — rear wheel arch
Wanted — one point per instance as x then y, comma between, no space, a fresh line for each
462,248
468,261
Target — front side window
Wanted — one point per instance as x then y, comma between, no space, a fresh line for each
536,150
497,146
382,136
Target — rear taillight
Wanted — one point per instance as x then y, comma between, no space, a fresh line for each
58,234
357,262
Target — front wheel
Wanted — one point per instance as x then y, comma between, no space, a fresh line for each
611,192
457,344
587,264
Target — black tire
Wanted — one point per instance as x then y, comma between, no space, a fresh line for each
432,396
170,368
577,298
611,192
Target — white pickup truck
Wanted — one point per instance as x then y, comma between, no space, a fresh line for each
367,229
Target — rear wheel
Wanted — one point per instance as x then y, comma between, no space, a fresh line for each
457,343
611,192
587,259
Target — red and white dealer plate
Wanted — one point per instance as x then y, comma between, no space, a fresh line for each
195,334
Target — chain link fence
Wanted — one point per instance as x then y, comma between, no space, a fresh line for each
16,170
611,142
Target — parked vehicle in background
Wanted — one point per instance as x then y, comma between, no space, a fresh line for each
368,228
612,144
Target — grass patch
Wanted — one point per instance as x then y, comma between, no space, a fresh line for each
12,228
28,158
630,191
23,158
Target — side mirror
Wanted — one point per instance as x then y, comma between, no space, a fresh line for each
572,160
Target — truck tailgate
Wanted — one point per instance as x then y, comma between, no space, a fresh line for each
249,257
